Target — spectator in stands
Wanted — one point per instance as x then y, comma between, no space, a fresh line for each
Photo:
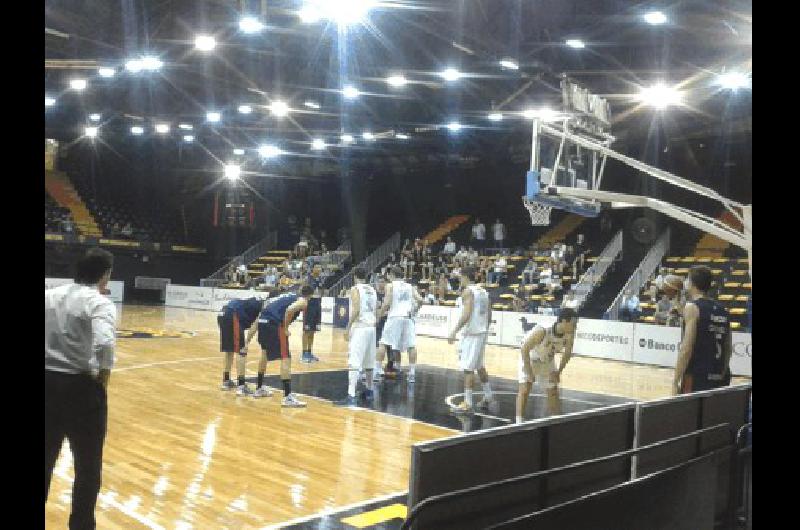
270,277
545,308
442,287
230,274
499,233
449,247
479,234
498,270
659,281
570,301
242,276
301,249
663,309
66,225
530,274
116,230
427,297
127,230
629,308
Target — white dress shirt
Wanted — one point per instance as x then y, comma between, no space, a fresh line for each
79,329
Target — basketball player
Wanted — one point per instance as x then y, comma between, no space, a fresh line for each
399,304
273,336
235,317
361,336
545,343
313,314
706,345
476,315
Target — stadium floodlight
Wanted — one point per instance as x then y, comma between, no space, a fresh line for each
401,136
151,63
343,12
350,92
347,138
397,80
318,144
496,116
94,117
137,130
450,74
660,96
162,128
213,117
186,126
279,109
49,102
90,132
509,64
205,43
368,136
245,109
106,72
188,138
655,18
576,43
311,104
454,126
250,25
232,171
239,152
77,84
269,151
733,80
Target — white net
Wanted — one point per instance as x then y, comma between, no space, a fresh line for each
540,213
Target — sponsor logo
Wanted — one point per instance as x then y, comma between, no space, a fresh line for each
743,349
602,337
651,344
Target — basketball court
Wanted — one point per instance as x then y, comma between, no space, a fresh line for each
181,453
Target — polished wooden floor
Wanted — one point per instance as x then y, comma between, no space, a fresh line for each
182,454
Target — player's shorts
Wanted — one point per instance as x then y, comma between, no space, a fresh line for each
541,372
470,351
313,314
231,334
272,338
399,333
361,350
698,383
379,330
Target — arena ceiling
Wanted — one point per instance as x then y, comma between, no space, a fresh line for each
306,65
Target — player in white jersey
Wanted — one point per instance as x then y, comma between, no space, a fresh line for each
476,315
545,343
361,335
400,304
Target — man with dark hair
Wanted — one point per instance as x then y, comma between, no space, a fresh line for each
706,345
400,304
235,317
545,342
476,316
79,340
312,316
273,336
361,336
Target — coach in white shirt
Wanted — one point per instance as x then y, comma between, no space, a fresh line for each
479,234
79,339
450,246
499,233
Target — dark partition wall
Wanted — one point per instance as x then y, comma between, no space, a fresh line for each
680,498
664,419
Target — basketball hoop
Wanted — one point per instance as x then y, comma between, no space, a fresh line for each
540,213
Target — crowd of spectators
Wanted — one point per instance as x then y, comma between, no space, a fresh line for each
57,218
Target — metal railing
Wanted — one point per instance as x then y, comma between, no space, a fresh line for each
369,263
642,273
595,274
246,257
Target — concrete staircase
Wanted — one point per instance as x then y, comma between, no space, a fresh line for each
63,192
561,230
441,231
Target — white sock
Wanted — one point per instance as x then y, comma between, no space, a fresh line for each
353,380
412,369
519,419
487,390
468,396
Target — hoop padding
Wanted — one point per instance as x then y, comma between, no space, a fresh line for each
540,213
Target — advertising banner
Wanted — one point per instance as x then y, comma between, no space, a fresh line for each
606,339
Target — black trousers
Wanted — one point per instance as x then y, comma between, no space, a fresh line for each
75,408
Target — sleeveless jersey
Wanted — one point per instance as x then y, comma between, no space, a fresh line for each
275,310
713,327
247,310
369,304
402,300
546,350
479,320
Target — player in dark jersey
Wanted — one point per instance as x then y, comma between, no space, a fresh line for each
235,317
706,345
312,317
273,336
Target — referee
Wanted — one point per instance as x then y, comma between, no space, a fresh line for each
79,338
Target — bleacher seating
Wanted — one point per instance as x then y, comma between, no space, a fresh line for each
733,286
61,190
